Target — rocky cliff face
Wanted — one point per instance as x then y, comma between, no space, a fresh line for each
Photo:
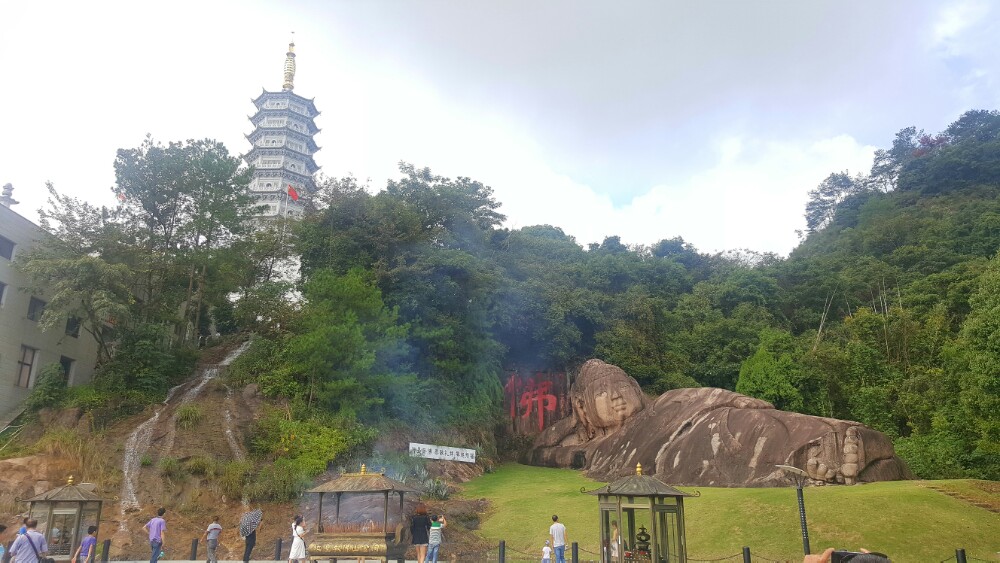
705,436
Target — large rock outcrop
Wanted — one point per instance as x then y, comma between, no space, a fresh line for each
705,436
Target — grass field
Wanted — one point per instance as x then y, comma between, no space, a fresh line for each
908,520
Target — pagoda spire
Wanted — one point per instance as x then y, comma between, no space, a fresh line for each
284,143
289,83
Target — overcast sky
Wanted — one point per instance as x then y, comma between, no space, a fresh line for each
710,120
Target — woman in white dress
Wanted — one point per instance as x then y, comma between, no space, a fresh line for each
298,552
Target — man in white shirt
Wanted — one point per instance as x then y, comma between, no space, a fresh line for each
558,532
27,548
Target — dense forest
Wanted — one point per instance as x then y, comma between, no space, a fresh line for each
414,299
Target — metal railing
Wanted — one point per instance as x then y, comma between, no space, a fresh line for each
506,554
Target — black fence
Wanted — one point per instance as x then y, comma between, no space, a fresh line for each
504,554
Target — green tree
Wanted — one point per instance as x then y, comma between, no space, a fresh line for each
771,374
180,203
345,342
823,200
76,270
980,382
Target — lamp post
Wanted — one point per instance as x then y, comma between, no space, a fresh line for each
799,476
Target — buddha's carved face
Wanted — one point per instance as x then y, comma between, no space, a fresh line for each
606,397
614,400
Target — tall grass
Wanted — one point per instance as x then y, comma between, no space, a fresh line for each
81,453
188,416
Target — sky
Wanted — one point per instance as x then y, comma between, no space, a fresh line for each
642,119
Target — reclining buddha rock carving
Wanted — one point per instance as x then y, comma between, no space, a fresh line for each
705,436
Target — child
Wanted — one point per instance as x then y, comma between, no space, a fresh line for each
212,539
434,537
546,553
86,550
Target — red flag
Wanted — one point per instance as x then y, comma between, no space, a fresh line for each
292,193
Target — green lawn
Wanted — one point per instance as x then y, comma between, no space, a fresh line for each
908,520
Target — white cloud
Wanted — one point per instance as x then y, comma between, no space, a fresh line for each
955,19
753,196
93,80
753,201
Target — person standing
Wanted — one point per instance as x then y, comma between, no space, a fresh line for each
249,524
86,550
558,532
546,553
420,525
298,551
29,546
212,539
616,540
3,544
435,536
156,526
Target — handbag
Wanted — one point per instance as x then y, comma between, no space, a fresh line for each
40,559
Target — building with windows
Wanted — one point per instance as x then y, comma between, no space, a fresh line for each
283,147
24,347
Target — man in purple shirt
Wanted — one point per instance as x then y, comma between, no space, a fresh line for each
28,547
86,550
156,527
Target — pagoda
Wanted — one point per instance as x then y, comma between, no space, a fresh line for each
283,147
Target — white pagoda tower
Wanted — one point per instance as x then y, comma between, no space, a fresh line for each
283,147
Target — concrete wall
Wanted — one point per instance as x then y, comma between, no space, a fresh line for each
17,330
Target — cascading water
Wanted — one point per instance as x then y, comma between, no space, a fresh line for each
141,438
234,444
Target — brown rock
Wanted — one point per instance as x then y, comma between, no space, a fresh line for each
705,436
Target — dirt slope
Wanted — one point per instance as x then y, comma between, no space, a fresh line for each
125,461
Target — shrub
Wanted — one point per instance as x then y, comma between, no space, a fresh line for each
200,465
146,460
934,456
280,481
49,389
105,405
436,489
171,468
188,416
145,362
258,359
308,445
234,478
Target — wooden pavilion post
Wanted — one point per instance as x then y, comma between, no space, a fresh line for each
385,514
319,524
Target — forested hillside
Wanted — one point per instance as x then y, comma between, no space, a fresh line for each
413,300
886,313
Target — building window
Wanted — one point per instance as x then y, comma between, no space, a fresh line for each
35,309
6,248
67,367
73,327
25,365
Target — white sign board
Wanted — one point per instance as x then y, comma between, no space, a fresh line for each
442,452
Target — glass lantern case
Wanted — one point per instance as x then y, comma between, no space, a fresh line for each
642,519
64,514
